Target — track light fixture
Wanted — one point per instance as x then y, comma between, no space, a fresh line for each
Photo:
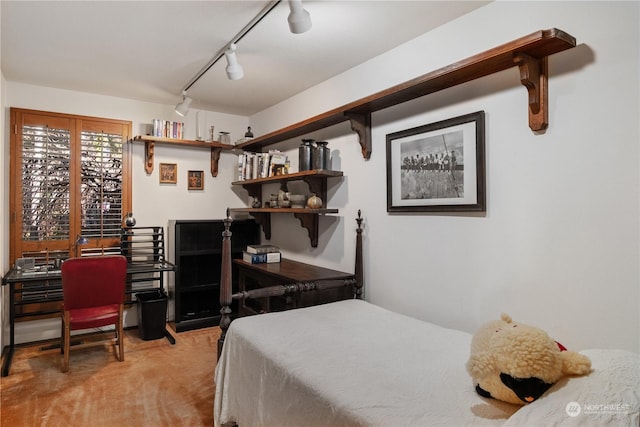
234,69
182,108
299,22
299,19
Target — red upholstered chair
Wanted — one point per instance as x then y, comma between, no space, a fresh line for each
93,293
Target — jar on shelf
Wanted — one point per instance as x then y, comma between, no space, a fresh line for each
305,154
225,138
321,155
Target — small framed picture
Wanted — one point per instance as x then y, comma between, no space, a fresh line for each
439,167
196,180
168,173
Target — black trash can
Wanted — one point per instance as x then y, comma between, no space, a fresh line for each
152,314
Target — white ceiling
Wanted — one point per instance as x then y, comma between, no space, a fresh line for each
150,50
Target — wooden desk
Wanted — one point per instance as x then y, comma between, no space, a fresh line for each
44,288
285,272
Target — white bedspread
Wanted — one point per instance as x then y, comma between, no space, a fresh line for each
351,363
348,363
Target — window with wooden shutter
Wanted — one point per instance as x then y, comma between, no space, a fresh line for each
69,179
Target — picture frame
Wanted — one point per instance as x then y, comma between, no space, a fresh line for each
168,173
439,167
195,180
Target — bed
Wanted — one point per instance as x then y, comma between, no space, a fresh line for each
352,363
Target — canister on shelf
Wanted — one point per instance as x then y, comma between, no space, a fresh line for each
305,155
321,155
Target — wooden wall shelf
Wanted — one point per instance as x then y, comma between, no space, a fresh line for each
149,148
309,218
316,180
529,53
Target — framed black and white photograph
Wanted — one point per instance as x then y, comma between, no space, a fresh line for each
439,167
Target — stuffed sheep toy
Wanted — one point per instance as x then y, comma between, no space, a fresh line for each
517,363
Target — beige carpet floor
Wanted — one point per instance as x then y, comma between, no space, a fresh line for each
158,384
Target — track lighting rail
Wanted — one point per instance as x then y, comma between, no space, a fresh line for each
299,22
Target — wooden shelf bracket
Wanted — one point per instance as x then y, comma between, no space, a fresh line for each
255,191
215,157
534,76
149,147
310,222
361,124
317,186
264,220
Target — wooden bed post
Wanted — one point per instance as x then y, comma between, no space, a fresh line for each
225,281
359,265
226,295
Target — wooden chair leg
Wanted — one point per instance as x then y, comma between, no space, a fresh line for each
62,332
66,341
120,332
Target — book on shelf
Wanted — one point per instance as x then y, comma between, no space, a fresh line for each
261,165
241,164
168,129
277,161
266,258
262,249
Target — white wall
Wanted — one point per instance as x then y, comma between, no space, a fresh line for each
153,203
559,246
